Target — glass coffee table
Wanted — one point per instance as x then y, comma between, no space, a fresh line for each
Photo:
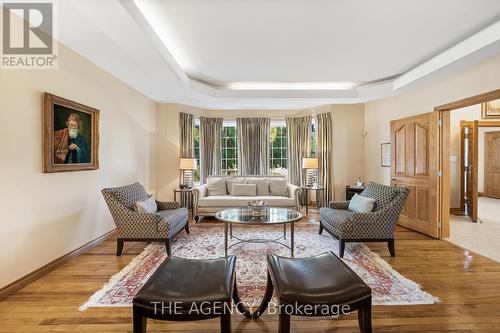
271,216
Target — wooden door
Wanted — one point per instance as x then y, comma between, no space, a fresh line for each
469,168
471,193
492,165
415,158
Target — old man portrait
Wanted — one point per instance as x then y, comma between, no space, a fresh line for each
70,146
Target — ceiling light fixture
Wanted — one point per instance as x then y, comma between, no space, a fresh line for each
290,85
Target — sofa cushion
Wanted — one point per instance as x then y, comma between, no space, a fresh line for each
146,206
244,190
361,204
231,180
242,201
261,183
278,186
216,186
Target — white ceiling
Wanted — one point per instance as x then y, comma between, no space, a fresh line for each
230,54
225,41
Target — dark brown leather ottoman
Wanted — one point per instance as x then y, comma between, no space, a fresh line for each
187,289
322,285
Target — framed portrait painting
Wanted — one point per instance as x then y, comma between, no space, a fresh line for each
70,135
491,110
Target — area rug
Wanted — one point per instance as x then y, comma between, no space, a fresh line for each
206,241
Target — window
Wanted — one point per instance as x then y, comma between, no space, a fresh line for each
229,148
196,148
278,151
314,139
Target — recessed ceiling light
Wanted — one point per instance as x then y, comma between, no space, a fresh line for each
290,85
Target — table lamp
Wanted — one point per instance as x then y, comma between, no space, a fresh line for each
187,165
310,164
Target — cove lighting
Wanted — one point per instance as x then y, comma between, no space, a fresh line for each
165,32
290,85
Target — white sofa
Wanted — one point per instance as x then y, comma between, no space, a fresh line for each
205,204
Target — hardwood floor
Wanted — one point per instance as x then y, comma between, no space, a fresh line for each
467,284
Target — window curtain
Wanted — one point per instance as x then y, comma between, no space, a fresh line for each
299,140
253,145
210,147
325,158
186,124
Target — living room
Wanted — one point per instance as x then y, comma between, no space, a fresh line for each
257,103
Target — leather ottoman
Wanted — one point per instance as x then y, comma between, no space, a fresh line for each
321,285
187,289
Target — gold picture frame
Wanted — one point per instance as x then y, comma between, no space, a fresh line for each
490,110
70,135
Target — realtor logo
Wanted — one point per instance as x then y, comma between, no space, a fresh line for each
28,35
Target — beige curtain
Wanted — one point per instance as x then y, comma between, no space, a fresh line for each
210,147
253,145
186,125
298,146
325,158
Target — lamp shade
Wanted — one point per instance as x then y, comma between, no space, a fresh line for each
187,164
309,163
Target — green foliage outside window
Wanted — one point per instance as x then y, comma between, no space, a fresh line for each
229,150
196,147
278,150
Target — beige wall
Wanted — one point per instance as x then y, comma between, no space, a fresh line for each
45,216
378,114
348,141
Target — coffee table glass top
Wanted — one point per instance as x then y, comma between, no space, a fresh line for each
271,215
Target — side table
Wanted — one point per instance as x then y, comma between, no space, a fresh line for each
306,190
185,197
351,190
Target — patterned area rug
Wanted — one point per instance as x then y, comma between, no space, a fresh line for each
206,241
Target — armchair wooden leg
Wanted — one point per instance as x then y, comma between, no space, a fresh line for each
392,249
187,227
320,228
341,248
167,247
119,247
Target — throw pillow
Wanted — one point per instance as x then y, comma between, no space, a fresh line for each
216,186
233,180
361,204
261,183
146,206
244,189
278,186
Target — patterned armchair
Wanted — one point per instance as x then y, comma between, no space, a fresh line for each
161,226
376,226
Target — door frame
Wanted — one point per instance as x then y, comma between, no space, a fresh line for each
463,123
444,152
